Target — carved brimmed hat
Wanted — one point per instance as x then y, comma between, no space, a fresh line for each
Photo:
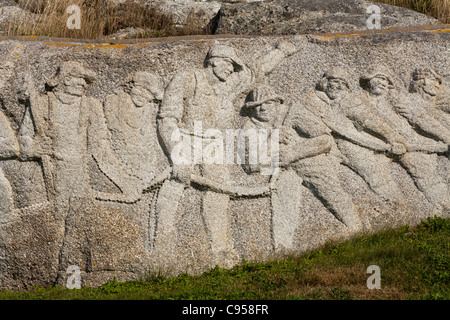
149,81
259,96
426,73
74,69
333,73
225,52
376,71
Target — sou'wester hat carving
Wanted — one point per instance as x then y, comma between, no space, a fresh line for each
225,52
74,69
261,95
149,81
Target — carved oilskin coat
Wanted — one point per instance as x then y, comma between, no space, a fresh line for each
133,135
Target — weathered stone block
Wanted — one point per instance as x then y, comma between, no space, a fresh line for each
124,159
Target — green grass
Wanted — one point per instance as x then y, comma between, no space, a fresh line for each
414,264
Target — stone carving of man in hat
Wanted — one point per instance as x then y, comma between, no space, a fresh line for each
308,148
206,95
429,108
351,122
131,117
421,158
76,126
27,146
304,161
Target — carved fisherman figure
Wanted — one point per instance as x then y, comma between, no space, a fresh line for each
76,126
429,108
131,116
206,95
352,124
421,158
319,169
297,155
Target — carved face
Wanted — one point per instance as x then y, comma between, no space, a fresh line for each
222,68
431,86
267,112
336,88
74,86
141,96
379,85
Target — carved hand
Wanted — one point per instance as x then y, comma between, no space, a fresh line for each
398,149
43,146
182,173
404,111
288,136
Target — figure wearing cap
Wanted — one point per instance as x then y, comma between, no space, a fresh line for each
206,95
130,113
351,122
428,93
77,129
303,160
420,159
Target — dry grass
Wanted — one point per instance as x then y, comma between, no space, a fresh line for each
98,19
439,9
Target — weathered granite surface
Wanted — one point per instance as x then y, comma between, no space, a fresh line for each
89,176
265,17
304,16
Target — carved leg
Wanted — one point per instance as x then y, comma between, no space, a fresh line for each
422,168
286,201
321,175
7,212
364,163
166,234
218,224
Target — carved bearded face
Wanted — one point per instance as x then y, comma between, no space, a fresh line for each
222,68
379,85
431,86
336,88
74,86
141,96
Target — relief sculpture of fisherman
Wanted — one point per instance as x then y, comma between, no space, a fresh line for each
420,160
206,95
361,136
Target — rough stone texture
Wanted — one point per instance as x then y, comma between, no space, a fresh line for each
88,176
260,17
304,16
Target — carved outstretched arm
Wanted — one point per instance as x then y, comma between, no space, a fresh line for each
351,134
9,147
366,118
419,117
270,61
300,148
170,114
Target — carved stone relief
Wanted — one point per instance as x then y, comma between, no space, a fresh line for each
133,137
